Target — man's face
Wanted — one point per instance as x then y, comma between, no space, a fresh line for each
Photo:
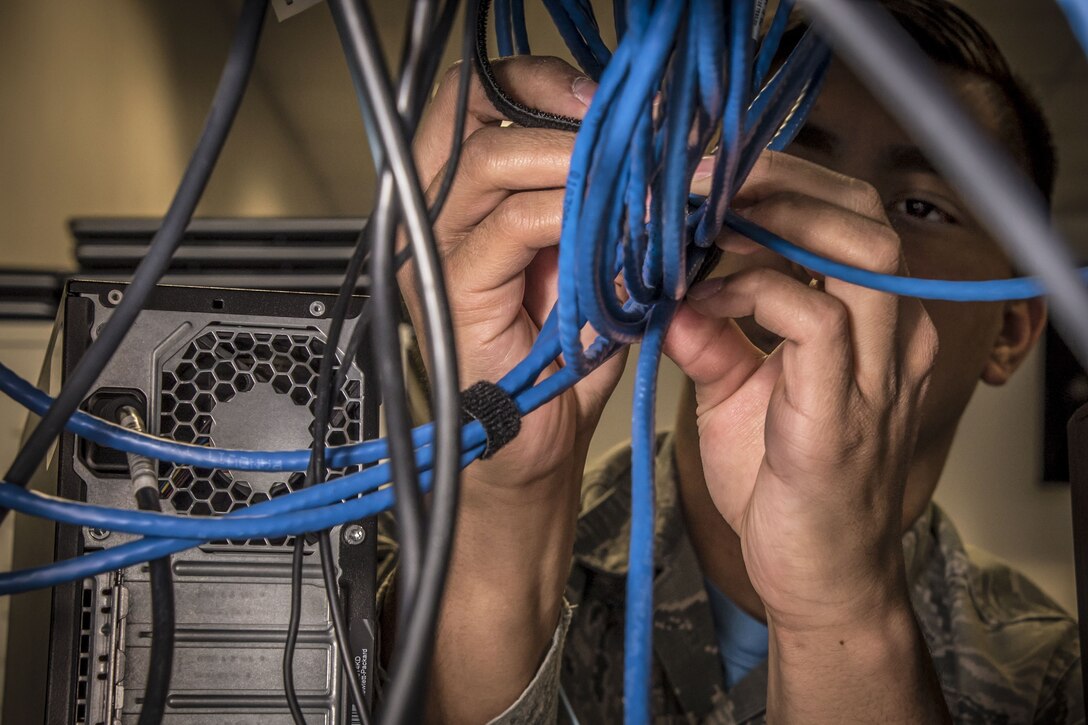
850,133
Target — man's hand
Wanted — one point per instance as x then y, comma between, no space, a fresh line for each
497,237
806,450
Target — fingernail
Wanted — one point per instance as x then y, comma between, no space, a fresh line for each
583,89
705,169
706,288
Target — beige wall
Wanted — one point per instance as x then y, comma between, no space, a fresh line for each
22,345
103,102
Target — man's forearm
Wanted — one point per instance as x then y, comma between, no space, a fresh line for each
876,671
504,594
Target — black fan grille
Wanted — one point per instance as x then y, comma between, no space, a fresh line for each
215,370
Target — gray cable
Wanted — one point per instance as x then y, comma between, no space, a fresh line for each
403,703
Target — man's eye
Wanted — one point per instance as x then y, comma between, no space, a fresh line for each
923,210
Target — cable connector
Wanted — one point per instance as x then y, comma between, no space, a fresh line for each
143,470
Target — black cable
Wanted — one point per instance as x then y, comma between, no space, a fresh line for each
316,472
468,38
336,612
403,701
328,373
292,633
517,112
436,48
385,335
385,332
882,54
227,99
145,482
418,34
161,661
411,518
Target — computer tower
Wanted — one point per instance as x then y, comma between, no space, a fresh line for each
224,367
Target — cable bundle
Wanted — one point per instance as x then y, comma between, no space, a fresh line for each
686,76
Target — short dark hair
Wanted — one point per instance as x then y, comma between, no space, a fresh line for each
956,41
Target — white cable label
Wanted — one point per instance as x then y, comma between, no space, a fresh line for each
289,8
757,18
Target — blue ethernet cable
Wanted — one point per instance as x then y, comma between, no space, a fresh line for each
678,162
638,623
503,28
581,14
136,552
735,110
927,289
710,48
133,553
582,40
579,247
769,46
517,19
110,434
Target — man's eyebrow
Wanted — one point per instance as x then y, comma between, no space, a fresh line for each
816,138
909,159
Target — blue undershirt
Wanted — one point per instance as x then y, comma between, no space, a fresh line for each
742,639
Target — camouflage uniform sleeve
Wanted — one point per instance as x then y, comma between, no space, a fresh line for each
1062,698
539,701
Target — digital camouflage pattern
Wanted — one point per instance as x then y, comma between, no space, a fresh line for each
1004,651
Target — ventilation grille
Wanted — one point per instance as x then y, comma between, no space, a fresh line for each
246,388
83,660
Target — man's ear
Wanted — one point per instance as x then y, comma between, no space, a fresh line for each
1021,325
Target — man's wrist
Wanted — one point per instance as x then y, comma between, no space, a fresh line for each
876,667
877,634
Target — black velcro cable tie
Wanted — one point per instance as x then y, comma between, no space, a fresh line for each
518,113
496,411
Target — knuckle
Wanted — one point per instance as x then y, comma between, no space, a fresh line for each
535,215
479,153
789,203
827,318
545,63
451,79
929,345
884,251
866,199
770,160
780,207
516,216
754,278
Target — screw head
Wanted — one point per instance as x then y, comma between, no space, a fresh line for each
98,534
317,308
114,296
354,534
